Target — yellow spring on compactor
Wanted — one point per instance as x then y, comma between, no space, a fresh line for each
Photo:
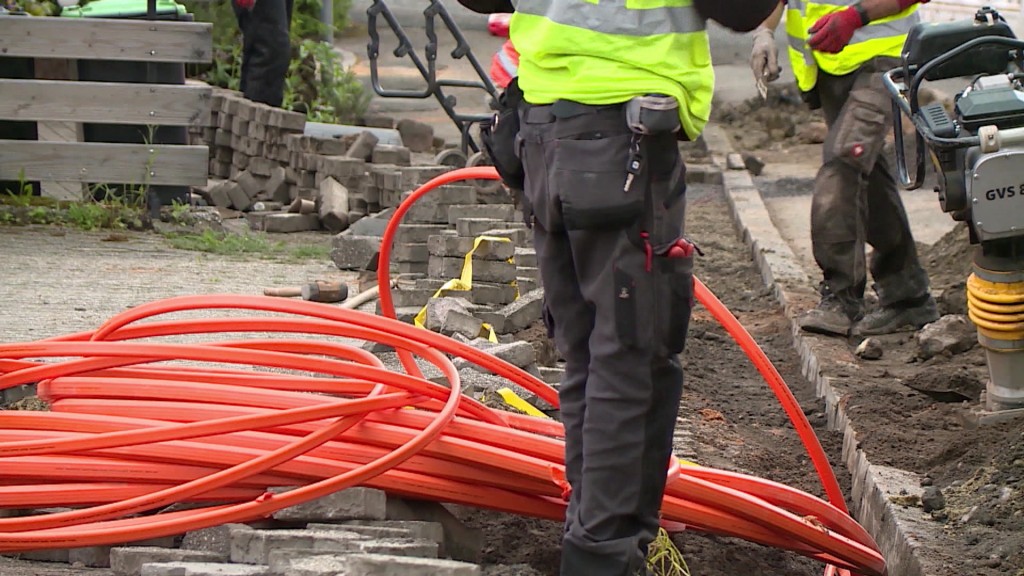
996,308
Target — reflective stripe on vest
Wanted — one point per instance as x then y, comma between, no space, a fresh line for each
509,61
609,51
882,37
625,17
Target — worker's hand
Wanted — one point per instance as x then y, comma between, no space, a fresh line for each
244,4
764,57
833,32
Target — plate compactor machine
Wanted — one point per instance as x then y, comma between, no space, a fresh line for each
977,151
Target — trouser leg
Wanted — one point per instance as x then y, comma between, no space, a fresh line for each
266,50
859,112
571,335
894,263
636,311
837,234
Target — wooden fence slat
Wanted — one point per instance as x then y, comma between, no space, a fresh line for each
94,162
105,102
106,39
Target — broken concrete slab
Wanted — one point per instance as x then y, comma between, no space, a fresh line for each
417,233
128,561
287,223
333,205
457,247
418,529
216,539
203,569
354,252
370,531
374,225
461,323
417,136
523,312
390,154
501,212
362,147
447,195
439,308
250,546
520,354
351,504
483,270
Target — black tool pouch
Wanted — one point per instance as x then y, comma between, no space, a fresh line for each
499,137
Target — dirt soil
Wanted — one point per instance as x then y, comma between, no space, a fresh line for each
979,472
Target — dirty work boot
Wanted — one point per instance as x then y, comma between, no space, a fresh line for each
832,317
899,317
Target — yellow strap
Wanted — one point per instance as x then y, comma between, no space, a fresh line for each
513,400
463,284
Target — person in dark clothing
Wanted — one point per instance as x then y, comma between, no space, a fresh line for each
266,48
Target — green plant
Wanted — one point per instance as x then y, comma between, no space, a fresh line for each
318,84
317,252
90,216
664,559
24,194
225,244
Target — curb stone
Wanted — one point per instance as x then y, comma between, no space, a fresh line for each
900,533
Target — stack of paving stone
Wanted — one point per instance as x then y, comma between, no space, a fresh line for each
354,531
262,164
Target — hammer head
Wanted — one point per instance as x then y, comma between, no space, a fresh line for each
325,291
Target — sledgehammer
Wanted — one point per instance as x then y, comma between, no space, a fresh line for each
319,291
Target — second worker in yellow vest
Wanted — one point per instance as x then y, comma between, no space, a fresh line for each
838,50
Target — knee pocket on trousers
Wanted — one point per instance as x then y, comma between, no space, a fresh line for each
861,130
590,177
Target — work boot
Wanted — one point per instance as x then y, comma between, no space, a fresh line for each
899,317
833,316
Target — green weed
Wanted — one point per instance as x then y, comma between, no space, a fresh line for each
226,244
664,558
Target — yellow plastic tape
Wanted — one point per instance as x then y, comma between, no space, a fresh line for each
513,400
464,283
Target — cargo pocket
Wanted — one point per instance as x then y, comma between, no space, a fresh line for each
676,291
860,136
633,310
590,179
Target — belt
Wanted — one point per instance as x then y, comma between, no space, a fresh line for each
541,114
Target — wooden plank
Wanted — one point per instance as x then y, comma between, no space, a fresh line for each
105,102
106,39
98,163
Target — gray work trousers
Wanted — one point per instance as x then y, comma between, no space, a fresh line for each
618,310
856,200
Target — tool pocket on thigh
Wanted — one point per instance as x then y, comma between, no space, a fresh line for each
590,177
675,296
860,135
634,313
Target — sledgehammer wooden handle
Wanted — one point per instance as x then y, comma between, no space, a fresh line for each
290,292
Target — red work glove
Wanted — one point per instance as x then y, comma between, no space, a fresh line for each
833,32
244,4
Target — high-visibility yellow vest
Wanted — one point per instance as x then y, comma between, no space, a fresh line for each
883,37
608,51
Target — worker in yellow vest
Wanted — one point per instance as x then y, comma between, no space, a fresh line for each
605,90
838,50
